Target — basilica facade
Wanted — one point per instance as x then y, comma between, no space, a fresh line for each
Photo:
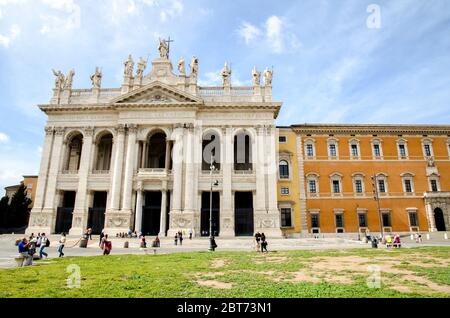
162,154
159,154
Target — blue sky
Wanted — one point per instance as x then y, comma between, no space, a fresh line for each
331,65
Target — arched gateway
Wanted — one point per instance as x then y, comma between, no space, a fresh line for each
133,157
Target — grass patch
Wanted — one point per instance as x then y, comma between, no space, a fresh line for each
235,274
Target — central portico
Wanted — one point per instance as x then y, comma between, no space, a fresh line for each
138,157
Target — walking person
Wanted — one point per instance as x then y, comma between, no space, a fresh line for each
32,246
44,243
62,243
89,233
106,245
190,234
263,243
176,239
38,240
257,240
102,235
180,237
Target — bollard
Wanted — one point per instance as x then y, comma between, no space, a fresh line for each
125,244
445,236
412,237
428,236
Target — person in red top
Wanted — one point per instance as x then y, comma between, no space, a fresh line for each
106,245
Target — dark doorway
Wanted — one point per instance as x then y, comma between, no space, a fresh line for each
243,213
65,212
205,211
151,213
157,151
439,219
96,219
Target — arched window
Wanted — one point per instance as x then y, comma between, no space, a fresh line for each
104,150
74,147
284,169
210,147
242,152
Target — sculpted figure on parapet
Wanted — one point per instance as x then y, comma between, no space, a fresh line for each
129,66
69,79
59,80
268,77
96,78
163,49
142,64
226,75
256,75
181,67
194,67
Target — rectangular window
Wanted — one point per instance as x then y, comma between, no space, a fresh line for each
427,150
282,139
336,186
386,219
315,221
402,151
312,186
284,190
358,186
30,186
332,150
355,150
434,186
286,220
408,186
413,219
376,150
309,150
362,219
381,186
339,217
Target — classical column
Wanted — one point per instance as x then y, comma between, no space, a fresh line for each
302,188
139,204
39,198
116,183
272,171
226,210
144,154
189,180
260,206
167,161
177,158
50,205
163,223
430,216
129,165
80,212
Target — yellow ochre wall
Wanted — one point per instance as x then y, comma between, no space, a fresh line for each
389,164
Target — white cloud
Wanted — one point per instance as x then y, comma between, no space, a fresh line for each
4,138
67,17
249,32
274,33
174,10
14,32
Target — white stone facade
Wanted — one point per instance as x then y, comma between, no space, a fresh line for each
158,104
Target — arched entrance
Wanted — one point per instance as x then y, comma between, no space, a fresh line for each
439,219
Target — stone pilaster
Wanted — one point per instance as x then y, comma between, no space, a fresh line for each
260,204
163,222
189,190
301,184
139,205
50,204
37,219
129,164
80,212
226,210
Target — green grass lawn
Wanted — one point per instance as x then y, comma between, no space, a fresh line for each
418,272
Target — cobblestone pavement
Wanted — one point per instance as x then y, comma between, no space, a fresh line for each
8,250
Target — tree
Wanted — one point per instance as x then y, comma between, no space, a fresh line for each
4,211
19,207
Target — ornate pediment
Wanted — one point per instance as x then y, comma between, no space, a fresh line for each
157,93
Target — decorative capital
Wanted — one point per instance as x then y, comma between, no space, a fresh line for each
59,131
260,129
89,131
120,129
48,130
178,125
132,128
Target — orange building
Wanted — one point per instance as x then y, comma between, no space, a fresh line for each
30,183
336,172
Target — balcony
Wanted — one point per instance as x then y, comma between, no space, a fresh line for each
153,173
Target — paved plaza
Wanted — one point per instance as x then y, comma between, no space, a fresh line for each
8,250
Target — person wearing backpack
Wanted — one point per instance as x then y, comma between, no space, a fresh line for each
45,242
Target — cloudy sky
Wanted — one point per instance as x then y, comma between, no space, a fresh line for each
347,61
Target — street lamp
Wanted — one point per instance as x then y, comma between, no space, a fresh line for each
212,168
377,199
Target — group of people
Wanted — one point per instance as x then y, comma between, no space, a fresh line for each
389,242
261,242
155,243
28,247
178,238
130,234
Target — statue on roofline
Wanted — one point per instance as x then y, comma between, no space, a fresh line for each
226,75
194,67
59,79
163,49
268,74
129,66
69,80
142,64
181,66
256,75
96,78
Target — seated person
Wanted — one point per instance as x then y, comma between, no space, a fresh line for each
156,242
143,242
388,241
397,242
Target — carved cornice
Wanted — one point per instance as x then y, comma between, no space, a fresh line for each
319,129
48,130
59,131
